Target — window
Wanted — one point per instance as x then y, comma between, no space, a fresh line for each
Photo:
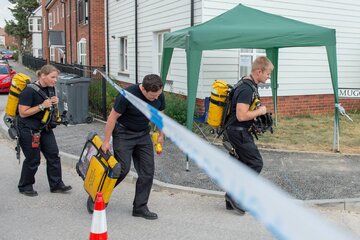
69,9
39,24
82,51
39,53
31,24
247,56
58,14
158,50
50,21
123,54
62,10
83,11
52,54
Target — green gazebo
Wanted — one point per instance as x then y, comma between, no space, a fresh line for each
245,27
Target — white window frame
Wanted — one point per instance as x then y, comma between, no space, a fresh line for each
85,11
158,44
246,57
52,54
123,56
50,20
39,53
81,46
38,24
44,23
57,14
62,10
31,24
68,12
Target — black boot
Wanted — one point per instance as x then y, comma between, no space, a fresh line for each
231,204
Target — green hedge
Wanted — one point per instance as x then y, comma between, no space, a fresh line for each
176,107
175,104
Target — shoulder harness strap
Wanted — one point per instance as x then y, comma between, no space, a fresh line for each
38,90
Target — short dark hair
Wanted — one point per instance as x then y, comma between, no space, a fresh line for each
152,83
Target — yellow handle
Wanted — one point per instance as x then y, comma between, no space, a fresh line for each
46,116
158,147
256,103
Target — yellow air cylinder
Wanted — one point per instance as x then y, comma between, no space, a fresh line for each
18,84
217,102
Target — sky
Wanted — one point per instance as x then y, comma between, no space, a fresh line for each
5,12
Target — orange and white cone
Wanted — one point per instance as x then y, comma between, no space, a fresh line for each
98,225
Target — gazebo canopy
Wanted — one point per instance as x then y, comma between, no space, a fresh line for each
245,27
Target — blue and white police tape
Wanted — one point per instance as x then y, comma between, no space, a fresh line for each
263,200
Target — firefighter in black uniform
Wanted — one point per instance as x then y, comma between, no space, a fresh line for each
131,140
238,132
36,136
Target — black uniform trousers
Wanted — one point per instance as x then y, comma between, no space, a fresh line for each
50,150
138,146
246,149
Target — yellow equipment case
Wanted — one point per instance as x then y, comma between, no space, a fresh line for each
99,170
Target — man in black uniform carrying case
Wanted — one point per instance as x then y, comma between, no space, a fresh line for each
131,139
238,131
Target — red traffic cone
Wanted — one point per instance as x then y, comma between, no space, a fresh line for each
98,225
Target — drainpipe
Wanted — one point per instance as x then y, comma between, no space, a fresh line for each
64,12
70,37
103,93
76,31
107,37
136,43
89,33
192,14
48,38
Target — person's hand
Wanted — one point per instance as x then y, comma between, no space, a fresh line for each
54,100
105,147
47,103
161,139
262,110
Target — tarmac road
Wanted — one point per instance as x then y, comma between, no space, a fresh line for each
182,215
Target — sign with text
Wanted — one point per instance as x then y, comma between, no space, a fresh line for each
349,92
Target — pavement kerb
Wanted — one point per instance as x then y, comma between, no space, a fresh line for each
70,160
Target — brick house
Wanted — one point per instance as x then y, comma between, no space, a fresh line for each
74,32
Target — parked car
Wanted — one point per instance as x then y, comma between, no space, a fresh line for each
8,55
5,61
6,75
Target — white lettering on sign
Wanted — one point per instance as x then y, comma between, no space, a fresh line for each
349,92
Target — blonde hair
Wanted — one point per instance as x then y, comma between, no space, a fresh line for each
262,63
46,70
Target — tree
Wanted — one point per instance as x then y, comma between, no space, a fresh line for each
19,26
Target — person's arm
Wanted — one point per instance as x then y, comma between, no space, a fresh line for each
26,111
244,114
109,127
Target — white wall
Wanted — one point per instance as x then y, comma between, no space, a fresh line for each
302,71
121,23
153,16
